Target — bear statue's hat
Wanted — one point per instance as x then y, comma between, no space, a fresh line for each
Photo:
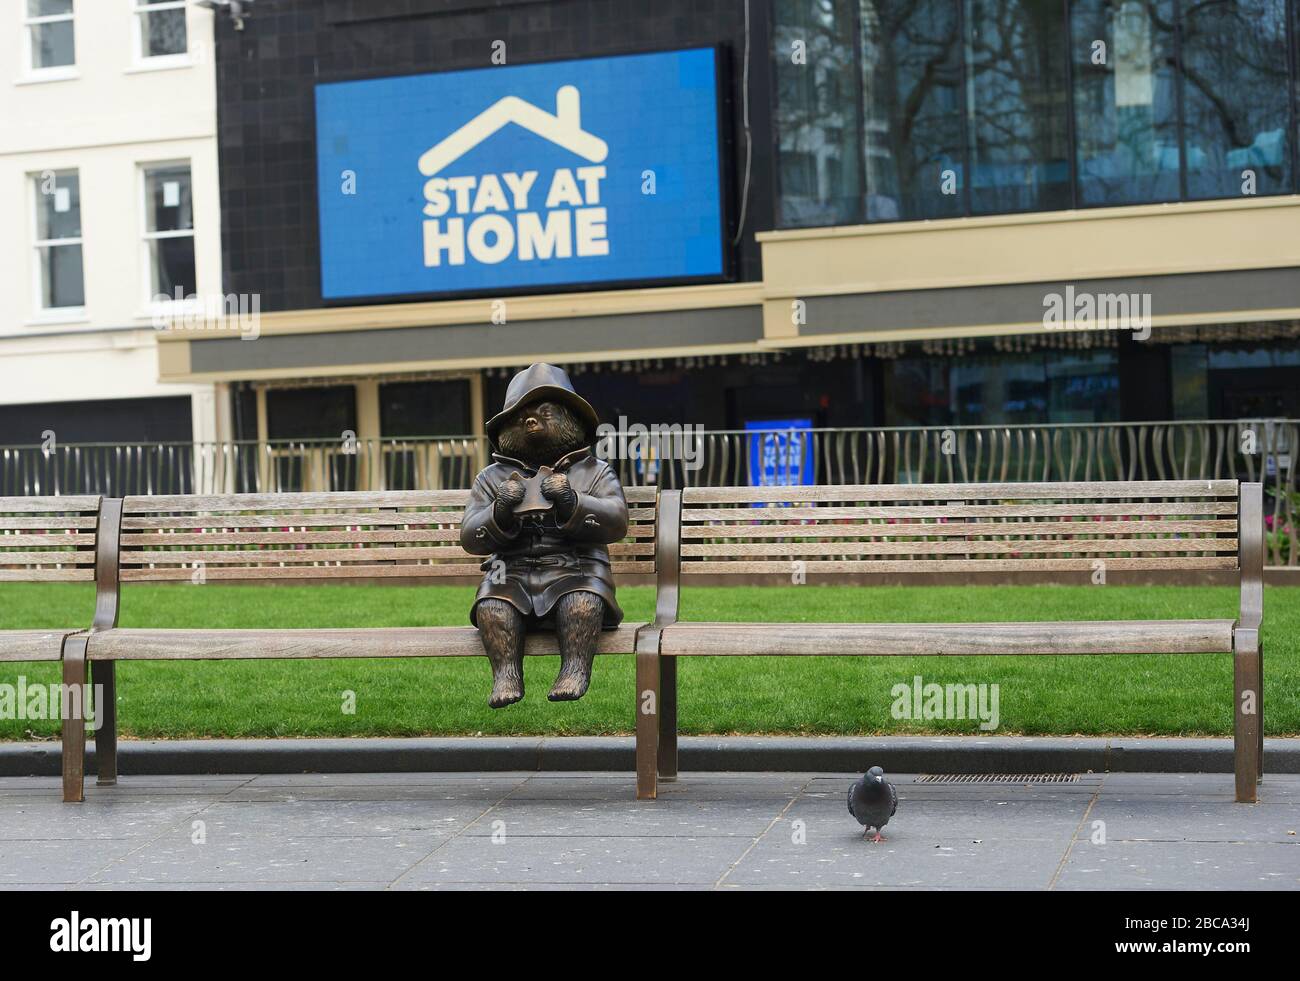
540,383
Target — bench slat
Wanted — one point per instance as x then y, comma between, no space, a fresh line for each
913,639
336,500
51,505
272,556
1028,546
72,539
785,567
414,570
952,529
129,644
416,519
954,492
331,537
71,557
411,570
72,573
32,645
11,522
942,508
433,520
351,500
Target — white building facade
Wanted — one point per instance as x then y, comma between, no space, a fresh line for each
109,200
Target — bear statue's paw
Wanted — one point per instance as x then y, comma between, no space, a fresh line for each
507,688
571,684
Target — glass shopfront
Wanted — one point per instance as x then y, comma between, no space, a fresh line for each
990,386
912,109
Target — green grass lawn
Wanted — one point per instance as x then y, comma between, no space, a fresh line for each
1132,695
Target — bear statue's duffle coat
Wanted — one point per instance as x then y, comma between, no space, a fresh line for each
532,568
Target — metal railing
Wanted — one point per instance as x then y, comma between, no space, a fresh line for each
1259,449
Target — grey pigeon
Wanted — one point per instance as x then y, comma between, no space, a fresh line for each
873,801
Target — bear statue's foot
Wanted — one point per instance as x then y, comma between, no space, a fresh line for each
507,688
572,681
577,623
501,628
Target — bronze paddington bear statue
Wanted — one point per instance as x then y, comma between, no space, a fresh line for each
544,512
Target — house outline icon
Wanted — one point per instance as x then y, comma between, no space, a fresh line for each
564,129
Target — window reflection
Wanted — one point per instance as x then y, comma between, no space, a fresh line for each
994,387
1125,101
1019,118
1235,98
910,109
911,81
817,113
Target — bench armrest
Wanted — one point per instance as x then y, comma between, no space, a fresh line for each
1250,531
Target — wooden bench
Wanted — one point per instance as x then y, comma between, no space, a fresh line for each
962,529
49,539
45,539
297,538
936,529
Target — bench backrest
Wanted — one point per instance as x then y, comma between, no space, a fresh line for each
960,528
337,535
48,539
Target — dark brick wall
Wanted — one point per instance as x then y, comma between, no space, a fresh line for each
265,86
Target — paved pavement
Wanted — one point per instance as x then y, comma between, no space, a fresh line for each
582,830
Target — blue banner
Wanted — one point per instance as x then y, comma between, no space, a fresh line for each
780,453
598,170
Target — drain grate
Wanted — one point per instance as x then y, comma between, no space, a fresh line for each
1020,778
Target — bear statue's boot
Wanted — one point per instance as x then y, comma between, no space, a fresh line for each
501,628
577,624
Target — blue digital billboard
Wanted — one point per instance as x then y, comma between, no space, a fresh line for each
597,170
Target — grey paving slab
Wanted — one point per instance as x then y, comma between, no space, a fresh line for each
944,820
1200,866
1276,787
177,858
45,819
278,885
492,781
514,831
405,886
1169,818
555,859
53,862
624,818
339,818
426,792
840,857
189,781
689,787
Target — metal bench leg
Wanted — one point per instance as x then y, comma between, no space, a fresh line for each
1259,702
104,676
647,724
668,718
74,721
1246,724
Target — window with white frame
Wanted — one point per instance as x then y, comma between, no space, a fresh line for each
159,28
60,281
169,231
50,42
